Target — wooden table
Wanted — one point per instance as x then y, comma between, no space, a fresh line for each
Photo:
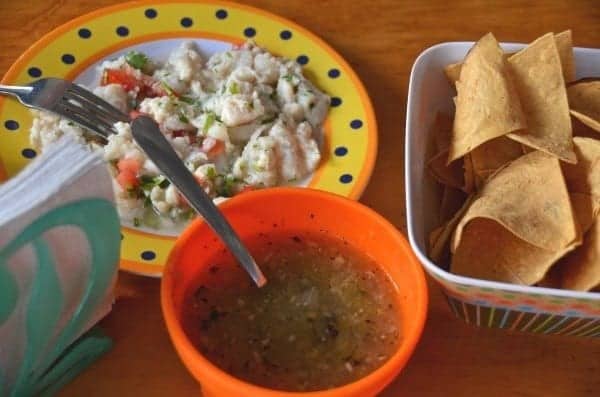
380,39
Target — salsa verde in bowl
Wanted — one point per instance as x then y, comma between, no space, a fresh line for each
342,311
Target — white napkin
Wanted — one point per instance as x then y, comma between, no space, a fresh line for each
65,174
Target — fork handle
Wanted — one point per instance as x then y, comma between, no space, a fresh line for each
159,150
15,90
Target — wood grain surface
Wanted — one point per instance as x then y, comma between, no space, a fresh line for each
381,40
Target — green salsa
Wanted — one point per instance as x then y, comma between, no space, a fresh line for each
326,317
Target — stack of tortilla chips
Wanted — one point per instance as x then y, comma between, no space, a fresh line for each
520,166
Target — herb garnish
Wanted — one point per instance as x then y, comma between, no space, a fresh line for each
136,59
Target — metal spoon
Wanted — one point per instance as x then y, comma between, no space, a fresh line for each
147,135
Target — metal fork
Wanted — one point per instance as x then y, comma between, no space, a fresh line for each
88,110
70,101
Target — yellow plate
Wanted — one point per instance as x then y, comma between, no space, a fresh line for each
72,50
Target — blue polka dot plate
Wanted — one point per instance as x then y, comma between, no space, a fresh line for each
73,51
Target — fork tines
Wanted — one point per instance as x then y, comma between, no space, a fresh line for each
89,110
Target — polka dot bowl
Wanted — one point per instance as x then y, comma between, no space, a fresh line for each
74,50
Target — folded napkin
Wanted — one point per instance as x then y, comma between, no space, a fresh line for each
59,255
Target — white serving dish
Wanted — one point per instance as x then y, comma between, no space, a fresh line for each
482,302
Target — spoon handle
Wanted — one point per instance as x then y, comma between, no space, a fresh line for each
159,150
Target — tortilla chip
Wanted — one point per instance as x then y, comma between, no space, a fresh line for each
538,77
452,72
580,270
489,251
495,153
449,175
452,202
442,131
481,177
584,101
530,199
564,45
582,129
490,156
584,177
469,174
487,104
439,251
434,235
585,208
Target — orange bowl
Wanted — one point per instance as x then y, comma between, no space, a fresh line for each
297,210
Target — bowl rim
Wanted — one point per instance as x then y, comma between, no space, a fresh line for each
433,269
380,376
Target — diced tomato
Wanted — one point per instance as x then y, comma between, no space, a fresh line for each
127,179
128,173
146,86
212,147
129,165
121,77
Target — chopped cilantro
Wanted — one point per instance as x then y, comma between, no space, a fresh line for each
211,173
136,222
146,179
288,77
148,182
187,99
209,121
168,89
234,88
136,59
164,183
228,187
183,119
